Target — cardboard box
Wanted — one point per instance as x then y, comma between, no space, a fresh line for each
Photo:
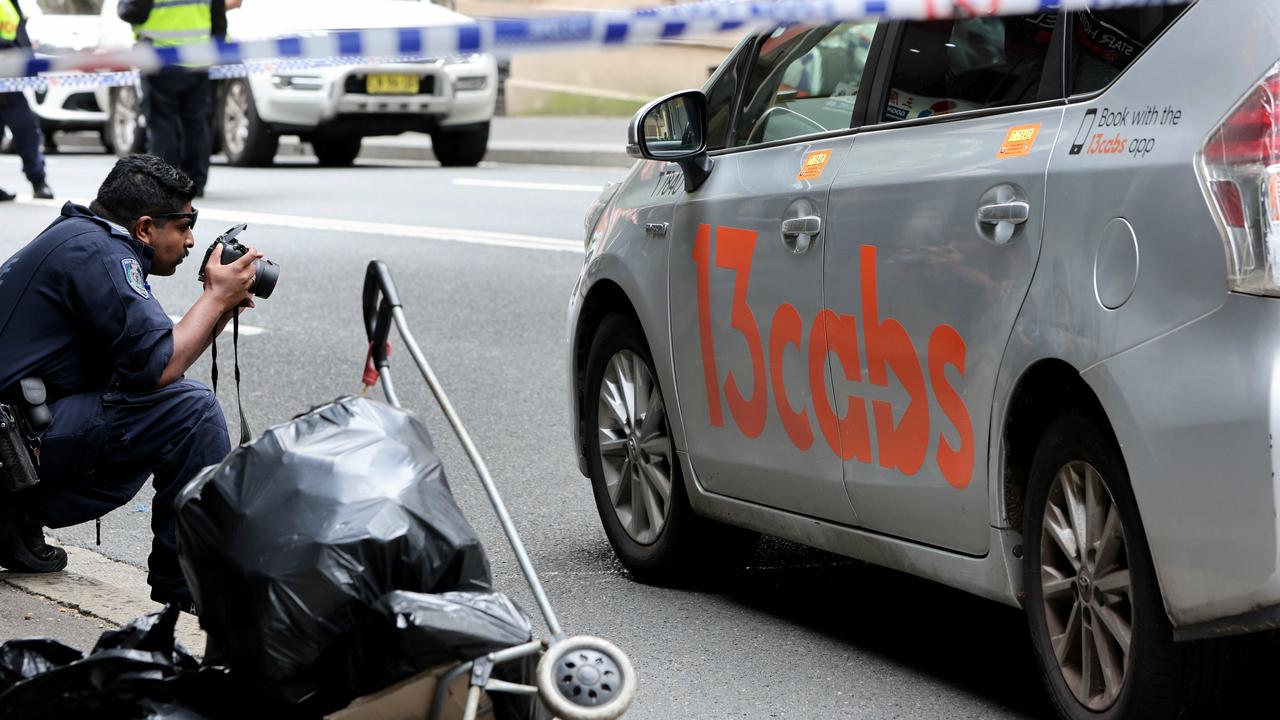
411,700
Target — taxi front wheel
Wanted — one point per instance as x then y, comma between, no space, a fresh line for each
636,477
1104,643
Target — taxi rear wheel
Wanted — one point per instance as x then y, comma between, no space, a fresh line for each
1104,643
635,475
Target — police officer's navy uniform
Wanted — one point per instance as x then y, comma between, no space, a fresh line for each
15,112
177,104
76,311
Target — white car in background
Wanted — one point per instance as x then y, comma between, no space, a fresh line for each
333,108
61,26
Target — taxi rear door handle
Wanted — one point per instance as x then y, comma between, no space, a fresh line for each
1014,211
798,233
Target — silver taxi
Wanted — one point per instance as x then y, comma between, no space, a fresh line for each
991,301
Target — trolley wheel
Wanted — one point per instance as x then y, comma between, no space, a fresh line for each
586,678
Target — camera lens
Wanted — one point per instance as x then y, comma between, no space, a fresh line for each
264,282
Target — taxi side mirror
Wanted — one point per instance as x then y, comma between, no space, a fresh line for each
674,129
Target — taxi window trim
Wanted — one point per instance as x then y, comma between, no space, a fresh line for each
1069,66
1055,66
861,105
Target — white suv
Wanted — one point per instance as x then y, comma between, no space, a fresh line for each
333,108
59,26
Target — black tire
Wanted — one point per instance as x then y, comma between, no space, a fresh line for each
246,140
336,151
49,134
688,547
104,136
1163,679
124,125
460,148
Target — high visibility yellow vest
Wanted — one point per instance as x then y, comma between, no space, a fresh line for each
9,19
176,22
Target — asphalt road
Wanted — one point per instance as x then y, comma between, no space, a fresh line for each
800,634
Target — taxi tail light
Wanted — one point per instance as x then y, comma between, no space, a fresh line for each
1240,166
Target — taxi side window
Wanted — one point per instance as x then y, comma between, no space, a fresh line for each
1104,42
947,66
804,80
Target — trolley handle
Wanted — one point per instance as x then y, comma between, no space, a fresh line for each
380,298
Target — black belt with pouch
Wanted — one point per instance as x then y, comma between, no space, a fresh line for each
21,422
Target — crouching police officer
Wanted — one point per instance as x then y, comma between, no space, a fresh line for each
76,311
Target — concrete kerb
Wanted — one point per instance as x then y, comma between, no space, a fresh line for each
98,586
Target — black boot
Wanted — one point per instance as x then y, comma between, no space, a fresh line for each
41,190
6,196
22,545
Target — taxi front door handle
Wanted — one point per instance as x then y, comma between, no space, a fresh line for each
798,233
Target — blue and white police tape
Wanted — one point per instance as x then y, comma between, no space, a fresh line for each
21,70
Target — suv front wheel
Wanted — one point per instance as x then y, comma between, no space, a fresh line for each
638,484
336,151
462,147
1104,643
246,140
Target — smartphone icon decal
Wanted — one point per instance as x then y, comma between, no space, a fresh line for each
1086,127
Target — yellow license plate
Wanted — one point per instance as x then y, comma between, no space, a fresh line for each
392,84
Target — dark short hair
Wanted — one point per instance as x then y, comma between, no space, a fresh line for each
142,185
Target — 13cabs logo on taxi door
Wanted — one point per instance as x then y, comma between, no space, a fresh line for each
902,445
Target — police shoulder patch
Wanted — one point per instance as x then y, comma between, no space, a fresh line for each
133,276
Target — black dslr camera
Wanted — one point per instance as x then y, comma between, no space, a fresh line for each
267,272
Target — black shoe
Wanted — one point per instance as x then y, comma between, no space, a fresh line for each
6,196
22,545
41,190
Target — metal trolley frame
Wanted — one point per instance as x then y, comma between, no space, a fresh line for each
578,678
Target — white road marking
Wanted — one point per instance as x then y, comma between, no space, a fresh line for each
521,185
301,222
246,330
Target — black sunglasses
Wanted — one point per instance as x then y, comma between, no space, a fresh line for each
192,216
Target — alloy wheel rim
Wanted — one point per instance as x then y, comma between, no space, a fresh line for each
635,447
235,119
1087,593
125,119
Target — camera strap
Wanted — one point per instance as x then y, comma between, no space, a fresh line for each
245,434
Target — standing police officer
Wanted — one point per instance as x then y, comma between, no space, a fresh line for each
15,113
177,104
76,310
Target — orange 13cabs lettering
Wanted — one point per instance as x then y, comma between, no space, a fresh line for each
903,445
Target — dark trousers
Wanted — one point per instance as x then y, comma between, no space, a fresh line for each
101,448
177,108
18,116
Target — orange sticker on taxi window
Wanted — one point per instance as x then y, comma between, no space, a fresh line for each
813,165
1019,141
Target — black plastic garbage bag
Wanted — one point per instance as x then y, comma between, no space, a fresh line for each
413,631
138,671
291,541
24,659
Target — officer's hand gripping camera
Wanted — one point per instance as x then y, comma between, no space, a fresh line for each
268,273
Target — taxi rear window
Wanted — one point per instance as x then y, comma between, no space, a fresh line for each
1105,42
947,66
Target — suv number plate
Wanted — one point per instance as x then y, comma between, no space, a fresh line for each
392,84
